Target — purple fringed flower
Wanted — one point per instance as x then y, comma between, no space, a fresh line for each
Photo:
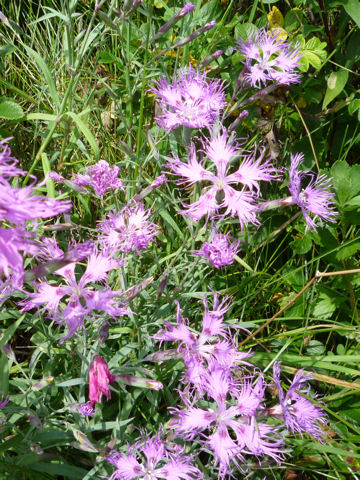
299,413
219,251
268,58
71,303
86,409
213,344
316,198
17,205
190,100
220,150
128,229
229,428
101,177
153,459
8,168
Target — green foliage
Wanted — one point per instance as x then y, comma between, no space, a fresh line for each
76,90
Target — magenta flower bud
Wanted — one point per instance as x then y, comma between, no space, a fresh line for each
155,184
189,7
199,31
243,114
210,58
99,379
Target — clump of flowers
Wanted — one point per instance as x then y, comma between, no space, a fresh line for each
224,404
129,229
18,206
71,303
268,58
101,177
152,458
316,198
220,198
219,250
200,349
190,100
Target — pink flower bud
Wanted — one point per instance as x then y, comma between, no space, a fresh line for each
99,379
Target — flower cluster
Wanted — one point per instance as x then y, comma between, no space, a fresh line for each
190,100
225,409
18,206
71,303
219,251
128,229
153,459
101,177
268,58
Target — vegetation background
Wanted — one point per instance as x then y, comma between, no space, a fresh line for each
74,85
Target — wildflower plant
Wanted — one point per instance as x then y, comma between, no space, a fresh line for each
188,279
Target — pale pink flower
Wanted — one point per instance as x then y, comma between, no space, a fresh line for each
316,198
71,303
153,459
220,198
299,413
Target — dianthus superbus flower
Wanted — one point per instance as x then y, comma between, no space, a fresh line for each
229,428
219,251
299,413
101,177
129,229
69,304
200,349
153,459
220,198
268,58
190,100
316,198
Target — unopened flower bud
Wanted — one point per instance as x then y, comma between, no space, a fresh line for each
189,7
139,382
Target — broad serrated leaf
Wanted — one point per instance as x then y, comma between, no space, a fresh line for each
245,31
346,180
335,85
9,110
315,347
324,307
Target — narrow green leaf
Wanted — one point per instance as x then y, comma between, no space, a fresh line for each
9,332
47,169
335,85
7,49
49,79
4,375
9,110
46,117
58,469
171,222
86,132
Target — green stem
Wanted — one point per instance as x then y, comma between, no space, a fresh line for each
142,101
